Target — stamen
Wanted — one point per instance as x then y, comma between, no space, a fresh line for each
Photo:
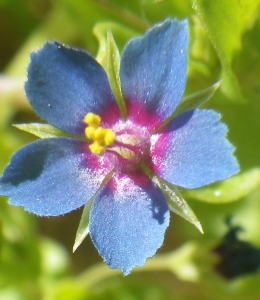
101,137
125,145
109,137
89,132
96,148
92,119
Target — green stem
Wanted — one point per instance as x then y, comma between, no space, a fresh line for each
177,262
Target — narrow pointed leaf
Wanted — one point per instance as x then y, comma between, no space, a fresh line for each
229,190
83,229
174,199
122,33
177,204
192,101
42,131
112,68
196,99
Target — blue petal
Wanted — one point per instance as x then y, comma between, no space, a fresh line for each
50,177
64,84
153,68
127,225
197,152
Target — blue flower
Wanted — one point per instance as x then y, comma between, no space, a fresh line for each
70,90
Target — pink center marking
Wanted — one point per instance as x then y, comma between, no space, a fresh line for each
135,144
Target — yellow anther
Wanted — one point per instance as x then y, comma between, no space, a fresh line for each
92,120
109,137
96,148
89,132
101,137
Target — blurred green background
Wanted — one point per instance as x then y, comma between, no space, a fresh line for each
36,259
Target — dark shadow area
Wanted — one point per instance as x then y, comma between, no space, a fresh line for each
237,257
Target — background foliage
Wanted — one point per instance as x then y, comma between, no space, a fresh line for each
36,260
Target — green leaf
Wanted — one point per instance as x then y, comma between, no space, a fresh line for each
112,68
221,22
83,229
224,21
196,99
228,190
108,55
43,131
191,101
174,199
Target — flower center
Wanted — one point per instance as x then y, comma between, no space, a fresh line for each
128,143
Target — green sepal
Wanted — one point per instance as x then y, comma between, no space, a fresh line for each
174,199
108,56
192,101
196,99
43,131
123,34
112,69
98,31
229,190
83,229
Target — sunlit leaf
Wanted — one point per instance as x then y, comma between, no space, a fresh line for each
112,68
174,199
224,22
221,22
42,131
83,229
228,190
